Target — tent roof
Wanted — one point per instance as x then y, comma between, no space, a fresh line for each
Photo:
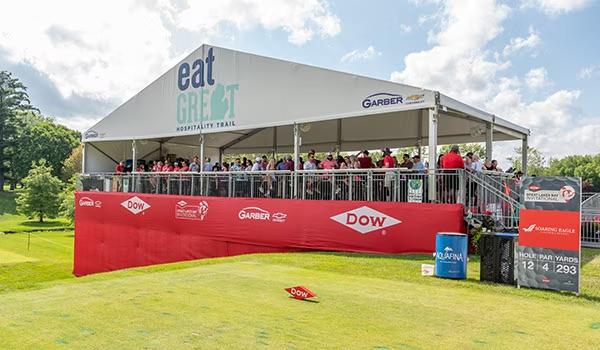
246,102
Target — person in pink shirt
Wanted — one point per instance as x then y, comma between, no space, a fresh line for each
167,167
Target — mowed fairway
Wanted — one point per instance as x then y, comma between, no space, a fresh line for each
365,302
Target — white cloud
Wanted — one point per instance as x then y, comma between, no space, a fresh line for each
519,43
301,19
457,64
357,56
537,78
588,72
405,28
111,49
555,7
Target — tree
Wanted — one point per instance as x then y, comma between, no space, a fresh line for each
13,98
36,137
40,195
67,199
72,165
536,163
587,167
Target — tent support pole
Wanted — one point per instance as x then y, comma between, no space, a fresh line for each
338,140
83,158
296,158
133,156
420,132
274,141
201,165
489,138
433,135
524,151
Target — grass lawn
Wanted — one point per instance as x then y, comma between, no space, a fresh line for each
10,222
365,301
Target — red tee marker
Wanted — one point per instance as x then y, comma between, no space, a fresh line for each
300,292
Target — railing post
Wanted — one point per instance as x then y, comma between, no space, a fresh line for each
350,181
370,185
462,186
229,185
333,189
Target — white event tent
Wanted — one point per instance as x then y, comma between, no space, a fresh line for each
219,101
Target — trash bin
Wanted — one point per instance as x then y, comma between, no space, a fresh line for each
497,262
451,255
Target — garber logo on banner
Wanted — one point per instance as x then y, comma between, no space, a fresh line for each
365,220
300,292
387,99
259,214
203,102
135,205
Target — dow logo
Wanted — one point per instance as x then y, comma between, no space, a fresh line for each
364,220
135,205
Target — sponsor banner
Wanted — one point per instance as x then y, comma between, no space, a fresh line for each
549,249
551,193
415,191
549,229
135,230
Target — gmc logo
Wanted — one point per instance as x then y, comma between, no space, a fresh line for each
365,220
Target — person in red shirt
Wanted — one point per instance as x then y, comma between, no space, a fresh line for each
365,161
120,168
453,160
167,167
450,163
176,168
388,160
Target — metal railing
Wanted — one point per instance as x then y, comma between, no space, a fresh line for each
492,195
393,185
590,221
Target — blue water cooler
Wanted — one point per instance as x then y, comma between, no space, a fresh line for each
451,255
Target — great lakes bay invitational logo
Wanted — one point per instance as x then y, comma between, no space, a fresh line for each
364,220
203,102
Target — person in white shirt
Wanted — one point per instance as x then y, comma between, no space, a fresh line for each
476,165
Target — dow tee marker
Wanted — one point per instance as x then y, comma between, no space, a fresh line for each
300,292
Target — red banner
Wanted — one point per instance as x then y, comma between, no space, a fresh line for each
119,230
551,229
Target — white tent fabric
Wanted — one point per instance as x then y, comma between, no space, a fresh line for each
244,103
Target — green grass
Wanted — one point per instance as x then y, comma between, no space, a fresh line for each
365,301
10,222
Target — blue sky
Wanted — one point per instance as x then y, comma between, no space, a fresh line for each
536,62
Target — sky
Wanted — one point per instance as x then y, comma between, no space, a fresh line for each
534,62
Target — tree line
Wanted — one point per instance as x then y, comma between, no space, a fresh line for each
35,151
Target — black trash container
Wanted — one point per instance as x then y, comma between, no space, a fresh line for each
498,257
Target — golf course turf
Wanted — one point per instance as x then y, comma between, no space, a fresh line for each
364,301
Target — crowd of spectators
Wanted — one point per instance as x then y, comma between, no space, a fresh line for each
268,184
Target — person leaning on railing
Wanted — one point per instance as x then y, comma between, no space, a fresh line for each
452,161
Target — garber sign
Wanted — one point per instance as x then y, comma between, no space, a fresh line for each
365,220
203,102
